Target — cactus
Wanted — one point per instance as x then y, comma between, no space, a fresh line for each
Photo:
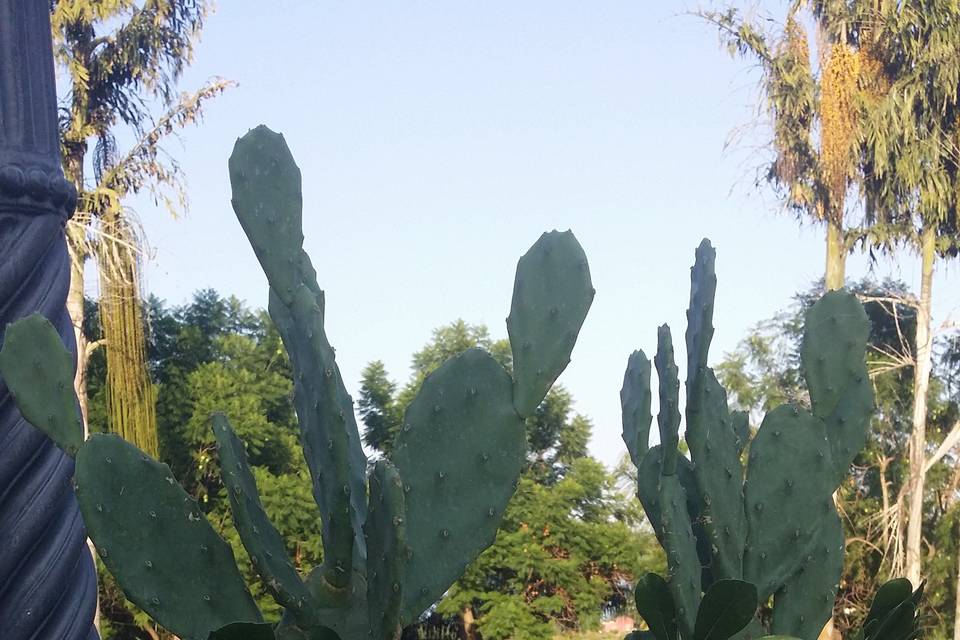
39,373
772,525
395,538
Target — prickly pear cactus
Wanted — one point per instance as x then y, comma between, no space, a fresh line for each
396,538
772,524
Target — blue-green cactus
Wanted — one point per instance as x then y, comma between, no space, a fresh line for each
773,525
263,542
150,534
551,296
39,373
393,541
460,452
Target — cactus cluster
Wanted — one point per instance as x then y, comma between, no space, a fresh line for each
772,522
396,534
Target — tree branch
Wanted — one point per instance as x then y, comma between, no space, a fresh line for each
93,346
952,439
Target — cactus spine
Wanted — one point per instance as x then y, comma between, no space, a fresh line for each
773,524
395,538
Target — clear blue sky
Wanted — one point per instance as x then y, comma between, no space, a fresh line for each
437,140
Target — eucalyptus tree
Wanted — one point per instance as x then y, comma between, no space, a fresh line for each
118,58
911,159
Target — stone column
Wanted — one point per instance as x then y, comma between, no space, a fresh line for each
47,578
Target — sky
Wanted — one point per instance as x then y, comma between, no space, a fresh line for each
438,140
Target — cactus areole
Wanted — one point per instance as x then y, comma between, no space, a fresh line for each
396,536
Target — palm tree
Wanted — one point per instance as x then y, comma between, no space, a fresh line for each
120,56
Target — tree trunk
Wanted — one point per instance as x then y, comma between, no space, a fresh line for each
469,624
75,300
835,272
921,384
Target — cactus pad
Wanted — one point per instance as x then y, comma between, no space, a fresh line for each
635,400
261,539
805,602
39,370
386,535
703,289
655,606
683,563
151,534
789,483
244,631
835,336
459,453
552,293
711,431
268,201
668,418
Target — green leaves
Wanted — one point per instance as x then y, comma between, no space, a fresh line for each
655,606
726,608
893,613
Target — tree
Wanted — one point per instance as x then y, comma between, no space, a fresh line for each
381,406
570,543
815,115
914,185
117,57
378,408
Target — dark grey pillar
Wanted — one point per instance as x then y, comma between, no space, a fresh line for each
47,579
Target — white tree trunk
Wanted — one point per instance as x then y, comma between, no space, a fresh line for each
921,385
